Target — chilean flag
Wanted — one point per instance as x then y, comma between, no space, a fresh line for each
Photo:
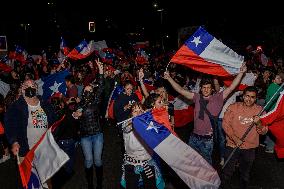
247,80
275,121
5,68
63,47
19,54
82,51
189,165
118,89
42,161
204,53
54,83
183,111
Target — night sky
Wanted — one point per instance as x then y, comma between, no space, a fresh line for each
238,21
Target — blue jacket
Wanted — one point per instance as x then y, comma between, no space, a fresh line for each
16,122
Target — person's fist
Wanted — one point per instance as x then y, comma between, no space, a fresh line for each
141,74
243,68
167,75
15,148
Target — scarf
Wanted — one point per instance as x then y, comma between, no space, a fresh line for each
203,104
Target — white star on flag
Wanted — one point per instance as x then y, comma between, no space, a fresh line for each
80,46
55,87
196,40
152,126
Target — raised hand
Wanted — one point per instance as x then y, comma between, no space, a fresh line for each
141,74
100,66
167,75
243,68
15,148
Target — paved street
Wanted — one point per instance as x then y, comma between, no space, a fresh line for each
268,173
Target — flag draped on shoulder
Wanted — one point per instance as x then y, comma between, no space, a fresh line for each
204,53
189,165
275,121
42,161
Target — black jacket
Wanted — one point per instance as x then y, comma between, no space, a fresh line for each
90,119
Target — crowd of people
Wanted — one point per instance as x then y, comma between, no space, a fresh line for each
146,84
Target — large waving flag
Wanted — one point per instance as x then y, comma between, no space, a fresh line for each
63,47
118,89
275,121
204,53
54,83
191,167
42,161
82,51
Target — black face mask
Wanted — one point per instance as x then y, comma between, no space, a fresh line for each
30,92
88,94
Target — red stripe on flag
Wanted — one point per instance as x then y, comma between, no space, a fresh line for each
183,117
275,120
5,68
187,57
25,167
162,117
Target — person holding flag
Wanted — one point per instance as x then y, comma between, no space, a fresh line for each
27,119
207,107
237,119
139,168
33,117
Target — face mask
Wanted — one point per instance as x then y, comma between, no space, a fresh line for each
30,92
88,94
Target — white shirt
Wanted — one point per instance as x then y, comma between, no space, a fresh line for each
37,124
134,147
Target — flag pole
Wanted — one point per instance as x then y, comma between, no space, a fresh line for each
129,119
250,128
167,66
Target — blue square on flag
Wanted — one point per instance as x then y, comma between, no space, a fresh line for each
204,53
54,83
